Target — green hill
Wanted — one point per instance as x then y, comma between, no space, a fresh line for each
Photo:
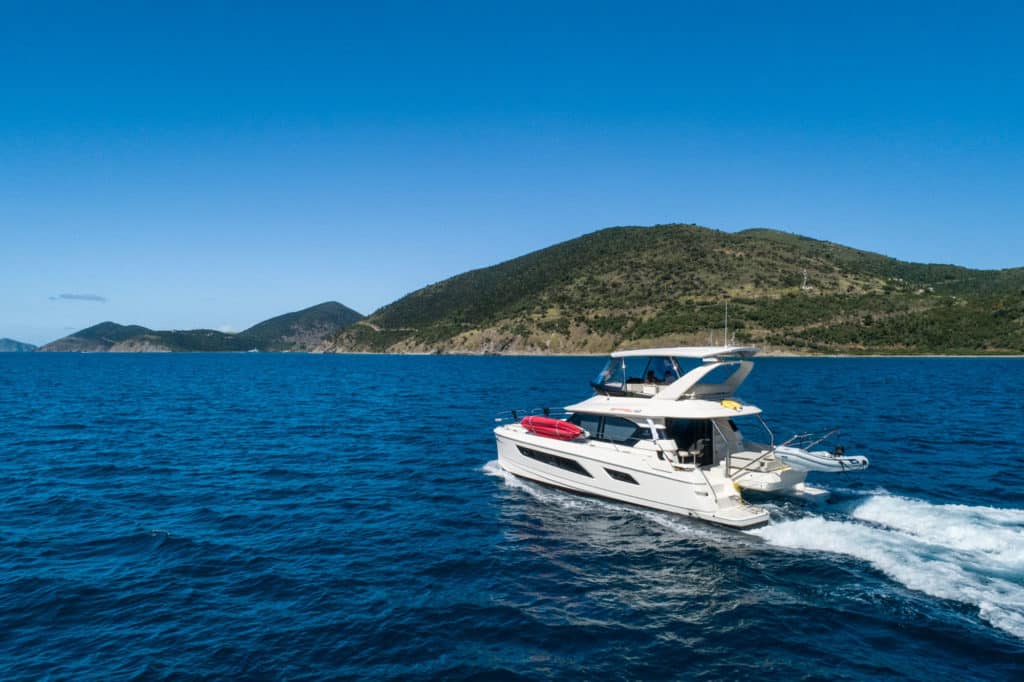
668,284
301,330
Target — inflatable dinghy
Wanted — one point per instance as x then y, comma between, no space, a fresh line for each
820,460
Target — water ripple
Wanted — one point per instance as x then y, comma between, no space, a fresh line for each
288,516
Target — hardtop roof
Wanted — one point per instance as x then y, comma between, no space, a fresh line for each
699,352
645,408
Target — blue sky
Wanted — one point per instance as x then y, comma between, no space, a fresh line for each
204,165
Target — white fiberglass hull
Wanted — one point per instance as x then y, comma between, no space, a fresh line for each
625,475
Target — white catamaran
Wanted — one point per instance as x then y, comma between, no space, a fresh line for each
659,436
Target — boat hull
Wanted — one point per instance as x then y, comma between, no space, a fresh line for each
606,471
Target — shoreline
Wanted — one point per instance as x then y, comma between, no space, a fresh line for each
769,354
762,354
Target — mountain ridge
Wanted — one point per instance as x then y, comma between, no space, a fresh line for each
12,346
667,284
295,331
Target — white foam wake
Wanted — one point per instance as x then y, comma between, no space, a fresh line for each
493,468
974,555
998,534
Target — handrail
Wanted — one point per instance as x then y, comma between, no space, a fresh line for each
747,468
514,415
705,477
812,438
771,434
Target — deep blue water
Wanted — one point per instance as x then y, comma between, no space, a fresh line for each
297,516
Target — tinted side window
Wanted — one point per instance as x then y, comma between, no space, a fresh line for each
555,461
618,430
621,476
587,422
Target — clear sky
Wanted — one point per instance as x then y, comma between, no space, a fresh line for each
202,165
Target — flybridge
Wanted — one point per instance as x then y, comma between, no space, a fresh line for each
695,352
663,373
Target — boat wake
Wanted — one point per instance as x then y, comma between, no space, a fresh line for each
972,555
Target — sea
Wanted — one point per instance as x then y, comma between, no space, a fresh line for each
298,517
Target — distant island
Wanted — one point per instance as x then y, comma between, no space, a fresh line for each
12,346
668,285
649,286
299,331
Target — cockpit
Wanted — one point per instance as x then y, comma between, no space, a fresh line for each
637,375
645,374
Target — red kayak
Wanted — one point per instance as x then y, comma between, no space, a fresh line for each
551,428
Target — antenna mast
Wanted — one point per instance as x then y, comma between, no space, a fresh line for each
725,341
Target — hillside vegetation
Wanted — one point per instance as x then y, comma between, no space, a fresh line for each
298,331
301,330
635,286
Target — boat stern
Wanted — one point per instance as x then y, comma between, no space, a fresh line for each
741,516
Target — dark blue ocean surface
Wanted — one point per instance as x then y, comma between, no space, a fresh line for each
296,516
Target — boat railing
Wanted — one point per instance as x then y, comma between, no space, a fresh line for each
806,441
739,472
515,415
749,466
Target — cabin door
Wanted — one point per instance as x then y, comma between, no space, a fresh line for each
693,436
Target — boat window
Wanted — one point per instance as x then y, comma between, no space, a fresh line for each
612,374
555,461
587,422
636,368
621,476
663,370
623,431
628,375
657,370
612,429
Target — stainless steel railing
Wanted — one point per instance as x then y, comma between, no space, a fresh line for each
511,416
